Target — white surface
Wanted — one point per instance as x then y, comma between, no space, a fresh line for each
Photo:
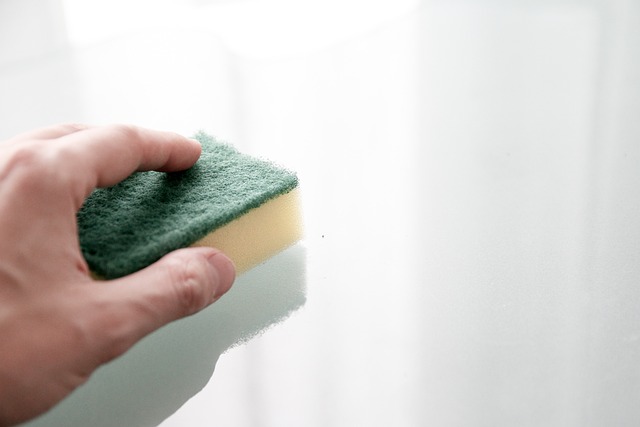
469,174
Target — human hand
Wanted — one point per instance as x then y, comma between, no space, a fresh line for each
57,325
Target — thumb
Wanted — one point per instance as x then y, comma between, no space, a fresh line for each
180,284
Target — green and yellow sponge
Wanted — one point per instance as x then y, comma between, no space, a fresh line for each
244,206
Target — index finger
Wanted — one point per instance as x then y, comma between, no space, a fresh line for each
109,154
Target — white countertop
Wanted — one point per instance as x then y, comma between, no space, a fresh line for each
470,174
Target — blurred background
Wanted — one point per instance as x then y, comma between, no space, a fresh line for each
469,174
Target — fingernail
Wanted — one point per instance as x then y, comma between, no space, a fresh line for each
226,272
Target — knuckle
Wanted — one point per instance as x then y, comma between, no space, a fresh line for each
116,343
23,155
127,131
189,278
40,169
71,127
110,330
25,164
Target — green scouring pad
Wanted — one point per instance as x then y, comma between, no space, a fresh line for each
244,206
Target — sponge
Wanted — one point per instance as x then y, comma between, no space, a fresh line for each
247,207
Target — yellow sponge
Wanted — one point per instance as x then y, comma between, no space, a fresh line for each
260,233
247,207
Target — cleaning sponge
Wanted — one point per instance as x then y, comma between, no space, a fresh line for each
244,206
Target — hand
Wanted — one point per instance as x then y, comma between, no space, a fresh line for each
57,325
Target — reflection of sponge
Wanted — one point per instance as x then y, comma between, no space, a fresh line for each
246,207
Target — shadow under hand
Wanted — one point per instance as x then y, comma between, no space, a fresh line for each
160,373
